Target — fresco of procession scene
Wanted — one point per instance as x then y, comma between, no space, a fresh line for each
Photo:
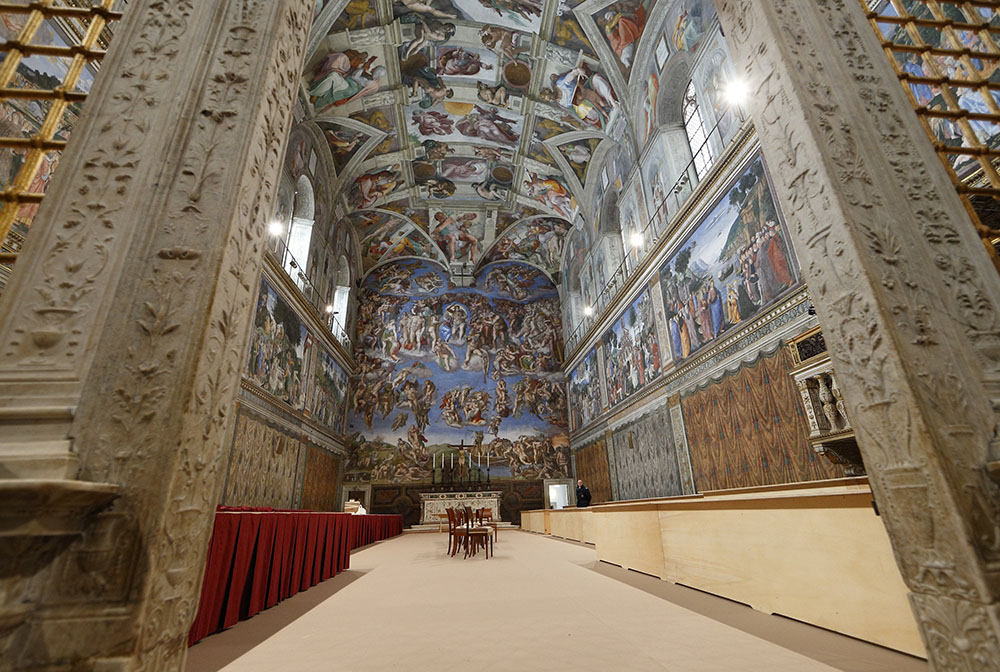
441,365
277,348
930,95
735,263
329,394
632,351
585,391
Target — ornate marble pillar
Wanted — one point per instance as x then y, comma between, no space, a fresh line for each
123,331
906,296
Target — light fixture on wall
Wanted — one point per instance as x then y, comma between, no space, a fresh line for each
736,91
329,308
275,228
636,239
588,311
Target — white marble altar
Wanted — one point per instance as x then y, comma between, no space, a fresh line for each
433,503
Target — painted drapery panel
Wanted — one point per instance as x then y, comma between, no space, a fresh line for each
592,467
264,466
440,364
585,391
631,351
645,460
277,348
737,261
748,430
319,483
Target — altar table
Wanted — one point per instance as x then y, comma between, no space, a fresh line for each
258,557
433,503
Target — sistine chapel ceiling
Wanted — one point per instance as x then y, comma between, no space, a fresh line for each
472,131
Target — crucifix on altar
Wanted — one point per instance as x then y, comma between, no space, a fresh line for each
461,466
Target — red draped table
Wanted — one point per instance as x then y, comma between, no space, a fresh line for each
258,557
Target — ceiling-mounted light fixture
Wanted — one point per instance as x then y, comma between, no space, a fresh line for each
736,91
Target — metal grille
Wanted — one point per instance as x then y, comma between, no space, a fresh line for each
946,57
51,51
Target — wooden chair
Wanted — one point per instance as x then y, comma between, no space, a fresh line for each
484,518
456,531
476,536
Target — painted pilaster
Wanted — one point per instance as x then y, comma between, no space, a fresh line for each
906,296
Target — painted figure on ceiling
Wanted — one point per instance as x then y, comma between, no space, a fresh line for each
501,41
344,76
427,32
373,186
486,123
623,28
584,92
418,75
425,7
433,122
526,9
459,61
435,150
494,95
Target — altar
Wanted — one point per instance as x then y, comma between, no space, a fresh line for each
434,503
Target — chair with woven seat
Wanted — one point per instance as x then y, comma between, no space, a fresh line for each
476,535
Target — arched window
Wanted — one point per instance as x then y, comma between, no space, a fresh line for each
694,125
296,257
341,298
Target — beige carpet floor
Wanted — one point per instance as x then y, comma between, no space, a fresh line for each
536,605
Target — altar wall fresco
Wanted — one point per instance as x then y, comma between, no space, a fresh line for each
440,364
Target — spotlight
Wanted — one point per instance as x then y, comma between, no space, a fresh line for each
329,308
588,311
275,229
636,239
736,91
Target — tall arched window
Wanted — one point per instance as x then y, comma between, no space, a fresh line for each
296,257
341,298
694,125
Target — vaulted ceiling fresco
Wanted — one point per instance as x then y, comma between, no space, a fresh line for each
473,131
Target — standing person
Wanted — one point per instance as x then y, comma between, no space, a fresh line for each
582,494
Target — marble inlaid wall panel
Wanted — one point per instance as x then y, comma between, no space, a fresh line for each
748,429
264,465
645,463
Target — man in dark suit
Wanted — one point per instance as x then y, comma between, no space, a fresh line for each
582,494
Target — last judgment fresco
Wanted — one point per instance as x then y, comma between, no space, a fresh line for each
441,365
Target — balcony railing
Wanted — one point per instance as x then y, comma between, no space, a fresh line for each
293,269
648,239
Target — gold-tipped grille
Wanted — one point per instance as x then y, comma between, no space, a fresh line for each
37,109
946,56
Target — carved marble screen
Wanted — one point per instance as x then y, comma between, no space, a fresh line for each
736,262
748,429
